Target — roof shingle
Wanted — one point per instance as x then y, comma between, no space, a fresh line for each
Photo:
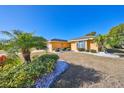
58,40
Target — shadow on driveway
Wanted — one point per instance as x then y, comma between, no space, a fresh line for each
76,76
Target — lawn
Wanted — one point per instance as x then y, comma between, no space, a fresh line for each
91,71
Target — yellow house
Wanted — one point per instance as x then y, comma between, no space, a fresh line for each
85,42
57,43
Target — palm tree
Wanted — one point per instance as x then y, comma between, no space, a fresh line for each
101,41
23,41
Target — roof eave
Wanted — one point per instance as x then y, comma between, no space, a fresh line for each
80,40
57,41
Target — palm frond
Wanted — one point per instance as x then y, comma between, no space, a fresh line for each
7,33
16,32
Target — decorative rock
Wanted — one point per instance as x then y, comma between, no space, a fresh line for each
48,80
103,54
107,55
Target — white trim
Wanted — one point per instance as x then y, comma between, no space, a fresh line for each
80,40
57,41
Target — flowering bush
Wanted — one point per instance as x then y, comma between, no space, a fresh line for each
2,60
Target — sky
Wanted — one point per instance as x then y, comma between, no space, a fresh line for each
63,22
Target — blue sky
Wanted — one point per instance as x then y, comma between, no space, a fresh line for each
64,22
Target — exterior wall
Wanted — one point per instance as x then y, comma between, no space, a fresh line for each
74,46
57,44
60,44
93,45
49,45
86,45
89,44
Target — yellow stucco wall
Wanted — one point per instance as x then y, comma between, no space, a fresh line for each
89,44
74,46
93,45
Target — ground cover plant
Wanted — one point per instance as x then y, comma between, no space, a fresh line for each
17,74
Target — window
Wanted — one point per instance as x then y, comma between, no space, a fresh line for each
81,44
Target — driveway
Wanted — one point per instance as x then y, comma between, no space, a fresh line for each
91,71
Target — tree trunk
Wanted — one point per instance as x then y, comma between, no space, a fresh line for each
26,54
103,49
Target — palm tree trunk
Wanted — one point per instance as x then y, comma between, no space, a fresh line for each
26,55
103,49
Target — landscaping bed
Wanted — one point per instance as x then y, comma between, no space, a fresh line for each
16,74
48,80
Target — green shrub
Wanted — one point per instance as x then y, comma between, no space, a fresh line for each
93,51
57,49
68,49
45,57
25,75
81,49
63,49
87,50
10,64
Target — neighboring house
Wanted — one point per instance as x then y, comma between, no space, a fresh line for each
57,43
85,42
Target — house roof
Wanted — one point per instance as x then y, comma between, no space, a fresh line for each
58,40
82,38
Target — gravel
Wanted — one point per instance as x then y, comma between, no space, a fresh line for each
90,71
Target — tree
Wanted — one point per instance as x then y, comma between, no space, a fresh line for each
91,34
116,36
22,41
40,44
1,45
101,41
